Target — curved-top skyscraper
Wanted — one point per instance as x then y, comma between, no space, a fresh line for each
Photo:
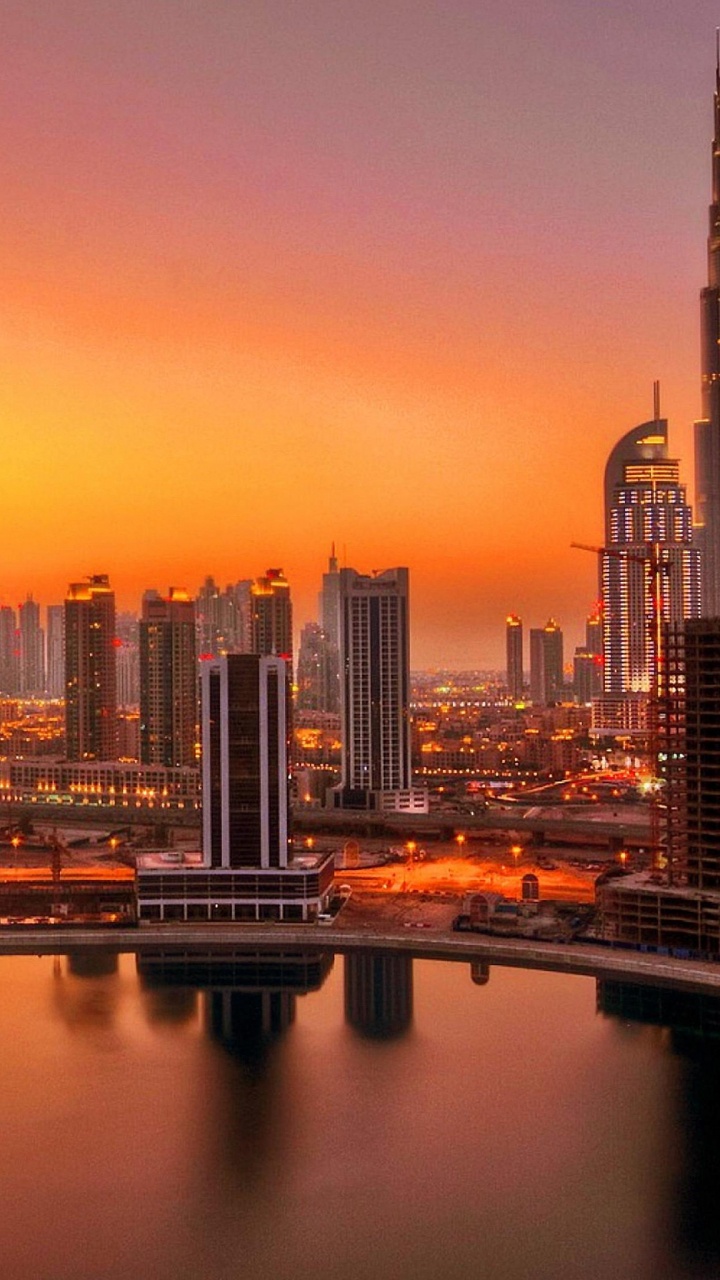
645,504
707,429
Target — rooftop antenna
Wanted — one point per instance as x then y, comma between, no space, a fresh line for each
656,400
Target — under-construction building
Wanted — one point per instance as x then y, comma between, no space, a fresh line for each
681,906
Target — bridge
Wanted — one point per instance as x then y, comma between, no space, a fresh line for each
568,827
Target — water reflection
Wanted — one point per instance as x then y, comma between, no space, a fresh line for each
480,973
516,1135
170,1005
85,989
249,996
379,994
93,962
692,1021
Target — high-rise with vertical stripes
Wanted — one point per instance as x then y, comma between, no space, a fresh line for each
707,429
375,691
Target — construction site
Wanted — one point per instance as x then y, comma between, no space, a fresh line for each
45,882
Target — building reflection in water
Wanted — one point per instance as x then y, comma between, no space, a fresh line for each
379,993
92,962
249,995
85,989
692,1020
480,972
249,1002
170,1005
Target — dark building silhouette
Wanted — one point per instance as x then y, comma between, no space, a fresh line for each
378,993
693,1022
249,995
707,429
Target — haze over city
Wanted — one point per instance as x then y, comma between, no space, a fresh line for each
277,275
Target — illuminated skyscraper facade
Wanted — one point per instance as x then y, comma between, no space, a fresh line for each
55,651
90,676
32,649
9,651
645,504
707,429
168,680
514,654
374,684
271,615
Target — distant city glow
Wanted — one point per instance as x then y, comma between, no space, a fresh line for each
271,279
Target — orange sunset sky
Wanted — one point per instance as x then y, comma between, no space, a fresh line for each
395,275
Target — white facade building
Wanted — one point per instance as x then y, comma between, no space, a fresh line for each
374,681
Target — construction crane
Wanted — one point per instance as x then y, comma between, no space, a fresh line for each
57,850
653,557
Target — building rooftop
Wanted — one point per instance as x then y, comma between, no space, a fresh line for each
184,860
642,882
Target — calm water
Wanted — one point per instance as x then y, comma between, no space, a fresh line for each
400,1120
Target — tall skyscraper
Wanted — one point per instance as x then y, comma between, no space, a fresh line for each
90,692
330,600
271,612
514,652
588,661
707,429
127,659
32,649
55,650
9,652
245,768
168,680
594,633
317,678
645,505
547,680
374,683
223,618
247,870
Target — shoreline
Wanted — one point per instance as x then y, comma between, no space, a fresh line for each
582,959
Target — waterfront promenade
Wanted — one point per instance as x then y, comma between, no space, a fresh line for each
427,944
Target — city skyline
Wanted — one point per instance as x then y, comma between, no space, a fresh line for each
206,258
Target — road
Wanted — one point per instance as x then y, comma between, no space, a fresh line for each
430,944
